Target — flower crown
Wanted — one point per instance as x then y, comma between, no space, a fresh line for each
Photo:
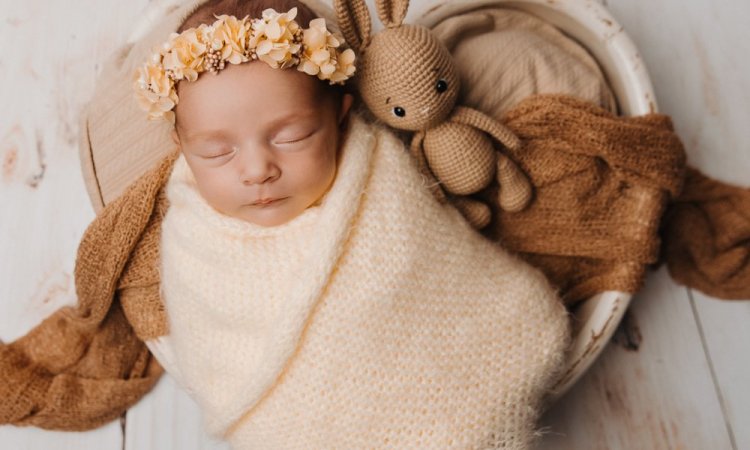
276,39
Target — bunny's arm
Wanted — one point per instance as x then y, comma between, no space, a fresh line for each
515,189
482,121
418,153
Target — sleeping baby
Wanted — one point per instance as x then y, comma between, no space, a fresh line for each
316,294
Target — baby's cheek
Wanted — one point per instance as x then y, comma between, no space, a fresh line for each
217,191
314,178
317,162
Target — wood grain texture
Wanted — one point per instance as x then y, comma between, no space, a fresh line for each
167,419
692,52
696,53
684,387
703,81
651,387
725,328
51,54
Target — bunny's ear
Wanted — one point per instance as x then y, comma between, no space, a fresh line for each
392,12
354,22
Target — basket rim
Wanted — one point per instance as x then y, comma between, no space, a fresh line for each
592,25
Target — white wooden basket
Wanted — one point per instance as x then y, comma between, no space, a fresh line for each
589,23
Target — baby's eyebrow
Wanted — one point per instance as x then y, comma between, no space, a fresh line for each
209,134
295,115
277,124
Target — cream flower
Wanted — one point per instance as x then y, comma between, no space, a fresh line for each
344,67
230,38
185,55
153,78
275,25
275,39
320,54
155,92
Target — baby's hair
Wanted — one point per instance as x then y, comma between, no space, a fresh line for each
204,14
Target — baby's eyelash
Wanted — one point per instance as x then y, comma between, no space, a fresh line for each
232,150
299,139
295,140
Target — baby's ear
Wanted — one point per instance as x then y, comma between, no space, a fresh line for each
354,22
346,105
176,137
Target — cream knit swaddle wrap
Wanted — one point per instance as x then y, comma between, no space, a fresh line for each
378,319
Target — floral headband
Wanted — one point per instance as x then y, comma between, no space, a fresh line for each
276,39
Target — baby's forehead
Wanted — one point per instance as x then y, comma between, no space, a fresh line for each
252,91
262,123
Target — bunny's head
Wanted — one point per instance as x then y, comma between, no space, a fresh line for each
405,75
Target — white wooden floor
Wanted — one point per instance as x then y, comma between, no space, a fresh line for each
676,377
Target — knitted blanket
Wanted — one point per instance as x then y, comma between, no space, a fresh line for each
363,321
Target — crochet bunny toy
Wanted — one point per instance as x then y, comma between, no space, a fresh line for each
407,78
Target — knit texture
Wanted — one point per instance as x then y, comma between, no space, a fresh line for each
601,183
504,56
707,237
413,47
83,366
363,322
408,80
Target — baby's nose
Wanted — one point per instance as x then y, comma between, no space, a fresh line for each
257,166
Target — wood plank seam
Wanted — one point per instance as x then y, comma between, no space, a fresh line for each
93,162
123,425
712,370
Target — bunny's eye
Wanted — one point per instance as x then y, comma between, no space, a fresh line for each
441,86
399,111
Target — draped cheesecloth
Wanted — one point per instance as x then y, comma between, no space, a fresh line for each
377,319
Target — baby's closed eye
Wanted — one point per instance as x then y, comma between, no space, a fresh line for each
294,135
217,151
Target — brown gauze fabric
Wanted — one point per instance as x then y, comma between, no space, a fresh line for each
84,366
706,236
602,184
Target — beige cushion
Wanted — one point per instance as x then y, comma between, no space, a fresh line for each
505,55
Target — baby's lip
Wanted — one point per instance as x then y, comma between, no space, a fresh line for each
267,200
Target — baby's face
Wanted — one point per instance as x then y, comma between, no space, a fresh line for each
252,133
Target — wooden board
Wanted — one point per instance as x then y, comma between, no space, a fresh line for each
725,330
51,54
684,387
167,419
651,398
651,387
